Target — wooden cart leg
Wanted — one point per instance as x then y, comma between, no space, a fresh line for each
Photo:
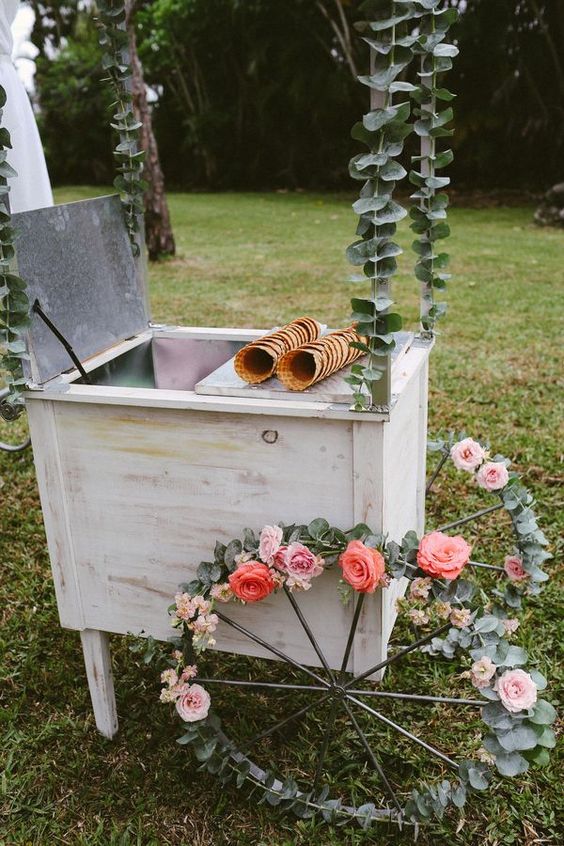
97,658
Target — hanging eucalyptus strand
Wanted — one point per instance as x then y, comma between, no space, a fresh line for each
383,130
14,303
429,210
129,182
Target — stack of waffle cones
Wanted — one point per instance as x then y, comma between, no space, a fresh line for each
259,360
297,354
300,368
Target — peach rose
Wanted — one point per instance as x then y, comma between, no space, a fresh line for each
467,454
513,566
442,555
517,690
269,543
492,476
363,567
193,703
251,581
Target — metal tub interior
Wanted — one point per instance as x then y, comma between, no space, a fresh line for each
165,363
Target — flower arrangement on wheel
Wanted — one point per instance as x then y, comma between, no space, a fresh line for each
452,615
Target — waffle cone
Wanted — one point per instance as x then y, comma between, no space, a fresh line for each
301,368
258,361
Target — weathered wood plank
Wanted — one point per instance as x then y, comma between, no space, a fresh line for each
98,663
54,504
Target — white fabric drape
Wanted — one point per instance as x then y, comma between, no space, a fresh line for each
30,189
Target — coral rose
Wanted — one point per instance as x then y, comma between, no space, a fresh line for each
492,476
467,454
517,690
513,567
193,703
442,555
251,581
363,567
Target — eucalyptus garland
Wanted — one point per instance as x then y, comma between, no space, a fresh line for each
383,130
14,303
129,182
399,32
428,212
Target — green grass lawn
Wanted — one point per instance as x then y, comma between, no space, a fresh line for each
257,260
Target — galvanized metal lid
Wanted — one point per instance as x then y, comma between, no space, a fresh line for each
77,261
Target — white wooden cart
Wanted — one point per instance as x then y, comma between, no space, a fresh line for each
139,473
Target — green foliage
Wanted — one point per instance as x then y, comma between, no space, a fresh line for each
14,302
383,130
428,211
129,182
399,33
76,137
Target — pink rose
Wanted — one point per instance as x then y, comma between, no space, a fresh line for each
363,567
492,476
467,454
269,543
251,581
279,558
482,672
442,555
517,690
193,704
301,562
513,567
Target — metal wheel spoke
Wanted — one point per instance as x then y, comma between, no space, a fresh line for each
405,732
398,655
283,722
325,746
485,566
373,759
386,694
474,516
352,632
270,648
436,472
309,633
267,685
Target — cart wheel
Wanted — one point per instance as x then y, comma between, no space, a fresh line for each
329,742
10,414
333,725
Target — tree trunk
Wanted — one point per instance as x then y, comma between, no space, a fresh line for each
158,231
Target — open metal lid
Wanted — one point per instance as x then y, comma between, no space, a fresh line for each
77,262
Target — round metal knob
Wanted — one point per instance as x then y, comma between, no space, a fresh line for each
270,436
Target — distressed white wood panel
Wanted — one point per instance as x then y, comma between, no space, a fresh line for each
149,491
368,507
52,490
404,451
